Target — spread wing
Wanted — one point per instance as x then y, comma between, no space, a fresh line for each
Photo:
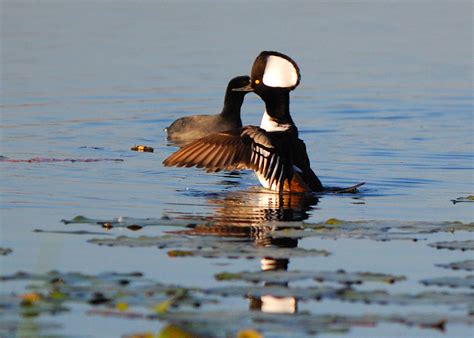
248,147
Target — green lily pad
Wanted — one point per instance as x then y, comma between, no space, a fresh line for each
467,265
340,276
208,246
454,245
453,282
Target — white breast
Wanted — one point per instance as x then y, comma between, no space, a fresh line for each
270,125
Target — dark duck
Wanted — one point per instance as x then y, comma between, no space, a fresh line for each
186,129
273,150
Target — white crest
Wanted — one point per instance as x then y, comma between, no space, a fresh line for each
279,72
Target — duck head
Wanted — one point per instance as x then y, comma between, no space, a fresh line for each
272,71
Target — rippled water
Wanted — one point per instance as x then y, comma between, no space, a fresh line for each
386,98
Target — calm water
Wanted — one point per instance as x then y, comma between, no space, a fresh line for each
386,97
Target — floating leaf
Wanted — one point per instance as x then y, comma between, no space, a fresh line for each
117,290
347,294
5,251
454,245
180,253
209,246
453,282
249,333
27,328
257,226
308,293
121,306
79,232
142,148
172,331
467,265
229,323
280,276
469,198
131,223
374,230
334,221
163,307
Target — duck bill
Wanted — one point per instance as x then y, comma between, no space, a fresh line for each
247,88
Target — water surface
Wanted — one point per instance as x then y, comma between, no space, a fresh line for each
385,98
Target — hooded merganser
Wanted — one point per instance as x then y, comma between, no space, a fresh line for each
273,150
192,127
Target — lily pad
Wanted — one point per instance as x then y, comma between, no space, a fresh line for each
469,198
27,328
467,265
133,223
453,282
375,230
208,246
454,245
348,294
383,297
53,289
63,232
342,277
5,251
256,223
316,292
227,324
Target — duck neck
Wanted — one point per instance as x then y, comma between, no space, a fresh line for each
278,108
232,104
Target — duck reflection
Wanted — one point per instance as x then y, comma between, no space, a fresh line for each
252,214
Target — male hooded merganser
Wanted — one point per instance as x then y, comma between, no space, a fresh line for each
273,151
192,127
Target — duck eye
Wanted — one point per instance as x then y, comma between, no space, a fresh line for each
257,81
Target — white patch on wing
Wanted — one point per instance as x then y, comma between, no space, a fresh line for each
270,125
279,72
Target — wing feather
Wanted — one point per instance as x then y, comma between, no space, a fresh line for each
248,147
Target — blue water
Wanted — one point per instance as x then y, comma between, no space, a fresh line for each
386,97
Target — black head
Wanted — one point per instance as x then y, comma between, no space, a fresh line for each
238,82
233,99
273,70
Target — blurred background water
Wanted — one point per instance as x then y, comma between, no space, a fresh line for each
386,97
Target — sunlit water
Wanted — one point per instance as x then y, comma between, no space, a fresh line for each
385,98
